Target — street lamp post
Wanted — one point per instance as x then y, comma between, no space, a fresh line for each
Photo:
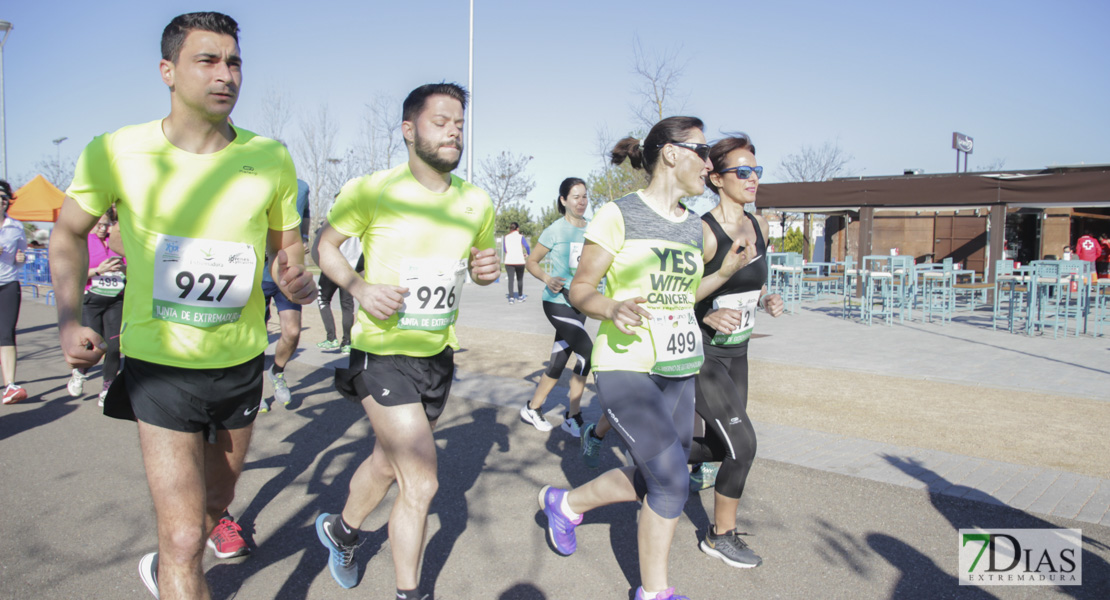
5,27
58,146
470,87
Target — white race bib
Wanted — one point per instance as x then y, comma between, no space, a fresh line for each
745,302
677,339
200,282
108,284
575,256
435,289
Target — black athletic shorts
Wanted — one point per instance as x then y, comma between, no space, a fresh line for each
188,400
396,379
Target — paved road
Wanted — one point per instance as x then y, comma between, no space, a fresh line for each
79,517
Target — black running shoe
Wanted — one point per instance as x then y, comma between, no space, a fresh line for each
730,548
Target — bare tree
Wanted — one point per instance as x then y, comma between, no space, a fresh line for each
996,165
382,142
56,169
816,163
504,177
276,112
316,147
658,75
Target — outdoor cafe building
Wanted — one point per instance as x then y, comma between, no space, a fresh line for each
974,218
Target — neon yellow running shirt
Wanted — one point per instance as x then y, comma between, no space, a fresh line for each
419,239
194,230
659,258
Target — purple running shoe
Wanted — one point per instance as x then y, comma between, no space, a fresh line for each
560,529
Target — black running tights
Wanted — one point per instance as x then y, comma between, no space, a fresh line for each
721,399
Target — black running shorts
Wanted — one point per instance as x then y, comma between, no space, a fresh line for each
396,379
187,400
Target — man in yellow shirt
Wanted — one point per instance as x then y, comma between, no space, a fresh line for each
199,202
423,231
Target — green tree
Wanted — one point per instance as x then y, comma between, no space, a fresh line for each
519,214
792,242
548,217
612,182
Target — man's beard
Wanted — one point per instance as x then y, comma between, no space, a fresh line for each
428,153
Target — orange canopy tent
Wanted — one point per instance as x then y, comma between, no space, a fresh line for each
39,200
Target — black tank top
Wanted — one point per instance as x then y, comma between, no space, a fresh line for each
748,279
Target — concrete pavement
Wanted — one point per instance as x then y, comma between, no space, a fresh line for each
832,516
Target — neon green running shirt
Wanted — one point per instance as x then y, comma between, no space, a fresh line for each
419,239
659,258
194,230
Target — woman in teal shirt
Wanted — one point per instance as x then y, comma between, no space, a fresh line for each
562,241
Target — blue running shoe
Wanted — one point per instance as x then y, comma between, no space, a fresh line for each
667,594
341,557
591,446
560,529
703,477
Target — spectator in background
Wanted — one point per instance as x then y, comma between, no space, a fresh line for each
1102,263
13,242
1087,248
516,249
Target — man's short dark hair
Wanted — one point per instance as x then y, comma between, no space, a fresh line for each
414,104
173,36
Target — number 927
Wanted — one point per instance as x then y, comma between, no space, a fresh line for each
186,280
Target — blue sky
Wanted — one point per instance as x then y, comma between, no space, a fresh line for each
890,81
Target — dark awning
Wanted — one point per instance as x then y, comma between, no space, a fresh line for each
1066,187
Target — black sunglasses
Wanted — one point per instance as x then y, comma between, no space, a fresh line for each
744,172
702,150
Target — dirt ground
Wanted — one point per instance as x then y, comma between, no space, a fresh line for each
1057,432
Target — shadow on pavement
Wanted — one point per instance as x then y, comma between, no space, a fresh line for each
323,424
968,514
460,462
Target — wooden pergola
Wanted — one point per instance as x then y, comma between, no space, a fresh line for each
994,193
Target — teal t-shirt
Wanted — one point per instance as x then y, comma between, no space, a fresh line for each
564,249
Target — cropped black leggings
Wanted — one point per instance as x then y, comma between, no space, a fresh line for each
721,399
104,314
654,415
570,338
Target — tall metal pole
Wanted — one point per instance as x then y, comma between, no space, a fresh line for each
6,27
470,87
58,146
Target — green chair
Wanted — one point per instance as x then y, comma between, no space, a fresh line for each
1102,305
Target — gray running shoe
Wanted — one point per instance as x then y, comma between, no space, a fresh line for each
148,571
730,548
534,418
281,389
591,446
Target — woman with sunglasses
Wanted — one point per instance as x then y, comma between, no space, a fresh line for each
722,383
102,306
562,241
648,245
